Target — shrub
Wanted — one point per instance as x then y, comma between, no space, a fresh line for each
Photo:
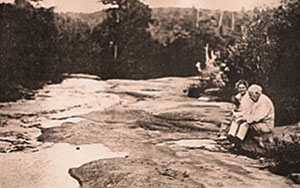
285,155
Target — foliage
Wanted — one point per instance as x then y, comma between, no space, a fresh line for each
184,40
174,47
91,19
269,55
74,44
171,23
285,155
127,49
28,45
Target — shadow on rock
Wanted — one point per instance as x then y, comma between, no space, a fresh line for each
130,173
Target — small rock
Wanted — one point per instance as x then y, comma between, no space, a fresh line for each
185,174
295,177
3,123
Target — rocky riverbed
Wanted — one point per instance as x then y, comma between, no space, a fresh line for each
120,133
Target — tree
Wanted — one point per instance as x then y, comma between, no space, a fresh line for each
74,42
28,45
124,40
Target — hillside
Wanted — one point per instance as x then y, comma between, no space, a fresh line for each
165,18
92,19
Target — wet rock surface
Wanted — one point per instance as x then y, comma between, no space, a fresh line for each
22,121
167,137
49,167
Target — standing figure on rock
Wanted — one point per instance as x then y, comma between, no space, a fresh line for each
257,116
210,72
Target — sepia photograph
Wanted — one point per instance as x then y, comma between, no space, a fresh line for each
149,93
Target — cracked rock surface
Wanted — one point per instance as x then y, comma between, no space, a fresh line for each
164,138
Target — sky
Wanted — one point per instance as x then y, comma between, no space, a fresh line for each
88,6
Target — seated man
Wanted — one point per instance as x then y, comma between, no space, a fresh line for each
257,113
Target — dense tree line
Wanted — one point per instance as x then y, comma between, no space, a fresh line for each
28,46
167,43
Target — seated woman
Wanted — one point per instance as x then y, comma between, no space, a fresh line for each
241,86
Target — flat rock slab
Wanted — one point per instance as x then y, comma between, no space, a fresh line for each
200,143
48,168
